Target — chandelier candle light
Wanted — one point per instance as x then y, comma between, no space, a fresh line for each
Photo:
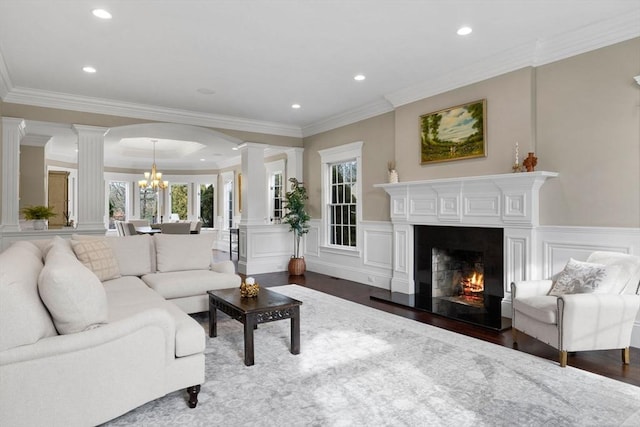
153,179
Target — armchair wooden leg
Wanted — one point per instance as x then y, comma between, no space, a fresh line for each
193,395
563,359
625,356
514,335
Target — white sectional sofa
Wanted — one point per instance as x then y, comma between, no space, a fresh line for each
93,327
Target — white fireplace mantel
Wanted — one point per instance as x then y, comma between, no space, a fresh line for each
509,201
489,200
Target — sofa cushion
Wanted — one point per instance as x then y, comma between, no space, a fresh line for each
72,293
97,256
543,308
178,284
135,255
179,252
23,317
190,337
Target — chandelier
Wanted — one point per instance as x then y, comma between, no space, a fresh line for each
153,180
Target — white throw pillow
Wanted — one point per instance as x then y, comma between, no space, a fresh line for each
97,256
73,294
23,317
179,252
580,278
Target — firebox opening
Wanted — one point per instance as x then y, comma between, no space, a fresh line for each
458,276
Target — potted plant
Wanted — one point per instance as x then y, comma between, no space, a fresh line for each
298,219
39,215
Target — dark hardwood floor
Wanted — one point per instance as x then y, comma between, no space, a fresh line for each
606,362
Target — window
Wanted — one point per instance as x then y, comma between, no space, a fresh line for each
341,189
148,204
275,193
227,210
179,200
342,204
276,198
117,202
207,205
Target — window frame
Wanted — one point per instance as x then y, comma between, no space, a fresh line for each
328,157
273,169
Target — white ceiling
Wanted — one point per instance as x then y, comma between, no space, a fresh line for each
260,56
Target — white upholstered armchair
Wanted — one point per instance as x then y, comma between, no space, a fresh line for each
587,306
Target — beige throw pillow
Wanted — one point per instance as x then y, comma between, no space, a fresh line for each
98,257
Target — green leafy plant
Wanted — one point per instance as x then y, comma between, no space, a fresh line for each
38,212
296,216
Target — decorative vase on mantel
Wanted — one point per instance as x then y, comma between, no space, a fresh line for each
393,176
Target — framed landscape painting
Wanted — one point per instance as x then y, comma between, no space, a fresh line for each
455,133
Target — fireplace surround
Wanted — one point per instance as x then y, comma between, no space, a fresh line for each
505,203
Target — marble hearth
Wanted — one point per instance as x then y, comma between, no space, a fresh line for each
508,202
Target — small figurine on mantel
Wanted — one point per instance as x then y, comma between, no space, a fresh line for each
530,162
516,166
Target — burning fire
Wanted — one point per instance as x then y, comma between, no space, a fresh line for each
473,285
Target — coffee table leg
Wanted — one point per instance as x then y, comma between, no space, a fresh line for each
249,325
213,324
295,331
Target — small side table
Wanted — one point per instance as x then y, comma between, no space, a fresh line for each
268,306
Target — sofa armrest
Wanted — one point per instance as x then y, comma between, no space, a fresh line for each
530,288
224,267
63,344
596,321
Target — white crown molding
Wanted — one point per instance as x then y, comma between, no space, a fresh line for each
588,38
504,62
348,117
534,53
40,98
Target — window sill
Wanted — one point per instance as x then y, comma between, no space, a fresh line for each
341,251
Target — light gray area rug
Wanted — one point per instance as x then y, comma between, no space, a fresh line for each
359,366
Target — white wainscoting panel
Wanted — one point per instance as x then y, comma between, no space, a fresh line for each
370,264
378,246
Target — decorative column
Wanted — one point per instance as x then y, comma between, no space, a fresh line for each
294,164
12,132
91,198
254,184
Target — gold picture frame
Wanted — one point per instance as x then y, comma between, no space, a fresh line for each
455,133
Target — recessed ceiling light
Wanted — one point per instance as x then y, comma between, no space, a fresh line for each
202,160
295,106
359,77
88,69
235,148
101,13
463,31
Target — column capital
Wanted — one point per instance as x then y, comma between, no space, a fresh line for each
84,129
255,145
14,123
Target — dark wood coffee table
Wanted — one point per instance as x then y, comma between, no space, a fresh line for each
268,306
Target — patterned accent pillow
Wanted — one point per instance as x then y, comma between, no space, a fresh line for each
579,278
98,257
